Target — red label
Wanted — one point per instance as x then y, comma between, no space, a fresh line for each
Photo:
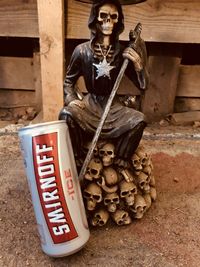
47,173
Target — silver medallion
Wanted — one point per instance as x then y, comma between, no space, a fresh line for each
103,68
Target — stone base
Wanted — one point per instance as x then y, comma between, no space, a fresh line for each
118,190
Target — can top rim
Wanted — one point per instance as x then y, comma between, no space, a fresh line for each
37,125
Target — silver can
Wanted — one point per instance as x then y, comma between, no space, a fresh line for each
55,188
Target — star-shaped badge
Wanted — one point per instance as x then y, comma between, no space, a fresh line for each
103,69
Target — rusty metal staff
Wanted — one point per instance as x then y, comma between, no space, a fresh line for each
134,37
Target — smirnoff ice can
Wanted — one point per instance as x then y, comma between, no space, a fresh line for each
54,186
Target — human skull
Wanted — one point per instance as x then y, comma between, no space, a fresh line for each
93,195
107,17
94,169
143,182
121,217
141,153
137,165
111,201
100,218
128,190
139,207
107,154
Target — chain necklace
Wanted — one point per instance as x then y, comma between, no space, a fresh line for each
103,68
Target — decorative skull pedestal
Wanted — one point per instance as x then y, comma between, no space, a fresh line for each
121,194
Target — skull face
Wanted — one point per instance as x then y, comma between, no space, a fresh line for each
107,154
144,158
107,17
93,195
139,207
137,165
94,169
128,190
144,182
121,217
111,201
100,218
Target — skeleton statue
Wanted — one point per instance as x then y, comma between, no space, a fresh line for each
99,62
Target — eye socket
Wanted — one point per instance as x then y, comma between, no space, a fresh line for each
142,183
124,193
109,153
114,16
107,200
101,223
120,222
133,190
94,172
116,199
103,15
87,195
96,197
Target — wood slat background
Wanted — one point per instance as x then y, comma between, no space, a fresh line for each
163,21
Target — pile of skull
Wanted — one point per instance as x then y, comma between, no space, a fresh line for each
121,193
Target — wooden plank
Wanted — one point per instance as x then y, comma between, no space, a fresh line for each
185,118
37,80
189,81
168,21
16,73
163,21
126,87
160,96
51,27
18,18
183,104
16,98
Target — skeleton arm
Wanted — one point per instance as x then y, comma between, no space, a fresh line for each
137,69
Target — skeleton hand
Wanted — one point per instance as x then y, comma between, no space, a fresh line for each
133,56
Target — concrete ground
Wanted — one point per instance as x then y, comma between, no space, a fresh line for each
167,236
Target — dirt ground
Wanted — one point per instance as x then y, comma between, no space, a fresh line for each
167,236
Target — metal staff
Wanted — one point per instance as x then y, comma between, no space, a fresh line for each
134,37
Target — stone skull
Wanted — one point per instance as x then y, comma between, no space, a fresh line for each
136,162
107,154
93,195
100,218
121,217
111,201
144,182
128,190
141,153
139,207
94,169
